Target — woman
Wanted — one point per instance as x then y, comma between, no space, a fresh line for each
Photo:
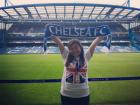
74,83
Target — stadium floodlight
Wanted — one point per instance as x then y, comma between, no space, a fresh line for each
6,2
126,3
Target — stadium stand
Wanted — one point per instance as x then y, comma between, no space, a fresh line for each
25,33
28,38
54,49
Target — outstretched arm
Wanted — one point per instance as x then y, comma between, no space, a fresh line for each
58,41
94,44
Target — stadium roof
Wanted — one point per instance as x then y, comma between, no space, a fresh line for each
69,12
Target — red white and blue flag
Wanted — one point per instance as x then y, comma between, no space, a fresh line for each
73,75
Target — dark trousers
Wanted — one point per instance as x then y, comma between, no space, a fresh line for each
74,101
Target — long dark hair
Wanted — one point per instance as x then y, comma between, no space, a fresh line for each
71,57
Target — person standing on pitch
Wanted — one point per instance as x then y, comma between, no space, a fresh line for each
74,83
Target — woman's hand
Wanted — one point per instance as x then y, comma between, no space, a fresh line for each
58,41
94,44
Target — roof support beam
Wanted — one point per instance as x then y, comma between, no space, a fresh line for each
46,12
18,12
10,16
100,13
69,21
91,12
55,12
137,16
82,12
29,13
64,12
73,12
37,12
127,14
118,13
109,12
69,12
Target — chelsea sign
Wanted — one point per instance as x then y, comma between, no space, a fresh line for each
75,31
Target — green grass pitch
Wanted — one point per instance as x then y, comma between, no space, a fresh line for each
35,66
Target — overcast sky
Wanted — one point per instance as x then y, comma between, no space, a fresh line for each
134,3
